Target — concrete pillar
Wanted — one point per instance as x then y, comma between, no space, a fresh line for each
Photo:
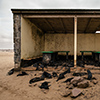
17,39
75,41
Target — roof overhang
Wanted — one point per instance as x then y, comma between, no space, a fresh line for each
62,20
57,11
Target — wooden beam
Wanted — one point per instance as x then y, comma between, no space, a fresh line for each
60,16
88,16
48,16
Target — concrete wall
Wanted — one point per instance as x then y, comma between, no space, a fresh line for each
59,42
32,40
65,42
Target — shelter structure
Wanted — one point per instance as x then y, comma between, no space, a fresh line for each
37,30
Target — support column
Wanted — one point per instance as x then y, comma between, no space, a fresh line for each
17,39
75,41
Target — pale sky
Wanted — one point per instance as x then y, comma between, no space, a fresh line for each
6,16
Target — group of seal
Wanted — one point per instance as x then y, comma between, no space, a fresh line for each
43,65
43,76
49,76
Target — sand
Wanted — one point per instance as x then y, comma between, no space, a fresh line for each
18,88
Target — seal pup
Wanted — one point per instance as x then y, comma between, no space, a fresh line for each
11,71
46,75
68,80
36,79
22,74
61,76
44,85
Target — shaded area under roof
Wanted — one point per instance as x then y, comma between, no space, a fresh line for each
66,25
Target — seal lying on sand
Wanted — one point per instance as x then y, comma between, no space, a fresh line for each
36,79
11,71
46,75
68,80
22,74
44,85
61,76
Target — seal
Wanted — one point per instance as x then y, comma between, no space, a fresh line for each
89,74
68,80
44,85
36,79
46,75
11,71
22,74
61,76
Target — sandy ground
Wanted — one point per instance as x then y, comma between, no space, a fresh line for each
18,88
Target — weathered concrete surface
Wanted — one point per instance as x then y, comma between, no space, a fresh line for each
59,42
17,39
32,40
64,42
